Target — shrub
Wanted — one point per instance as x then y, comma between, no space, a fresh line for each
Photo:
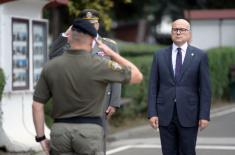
133,49
2,82
138,93
220,60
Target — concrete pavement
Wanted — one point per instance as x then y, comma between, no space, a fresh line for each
218,138
147,131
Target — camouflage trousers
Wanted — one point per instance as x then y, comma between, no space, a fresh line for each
76,139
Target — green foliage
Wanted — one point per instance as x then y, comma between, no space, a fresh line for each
131,11
140,55
138,93
132,49
218,4
220,59
2,82
103,7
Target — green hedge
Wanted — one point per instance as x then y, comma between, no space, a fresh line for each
220,60
2,82
132,49
138,93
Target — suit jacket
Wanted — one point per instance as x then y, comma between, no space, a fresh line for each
113,92
191,93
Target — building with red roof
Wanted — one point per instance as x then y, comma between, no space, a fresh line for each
212,28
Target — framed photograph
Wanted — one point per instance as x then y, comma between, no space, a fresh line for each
20,54
39,36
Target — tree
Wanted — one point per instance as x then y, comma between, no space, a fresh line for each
103,6
61,16
151,11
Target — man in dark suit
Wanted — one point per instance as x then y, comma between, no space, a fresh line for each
179,94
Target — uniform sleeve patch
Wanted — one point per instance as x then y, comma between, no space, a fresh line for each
114,66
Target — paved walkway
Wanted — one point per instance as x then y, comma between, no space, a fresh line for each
138,136
218,136
147,131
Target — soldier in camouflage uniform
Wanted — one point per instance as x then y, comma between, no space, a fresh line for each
112,97
76,82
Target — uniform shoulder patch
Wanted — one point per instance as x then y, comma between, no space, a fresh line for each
114,66
110,40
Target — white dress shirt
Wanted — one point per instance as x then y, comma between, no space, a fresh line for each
174,53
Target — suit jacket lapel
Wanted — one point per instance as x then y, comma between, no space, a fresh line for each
169,61
187,61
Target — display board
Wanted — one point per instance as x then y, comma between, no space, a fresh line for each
39,35
20,54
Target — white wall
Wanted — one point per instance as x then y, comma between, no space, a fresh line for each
213,33
205,33
17,130
228,33
26,9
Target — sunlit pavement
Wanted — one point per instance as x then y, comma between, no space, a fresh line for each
217,139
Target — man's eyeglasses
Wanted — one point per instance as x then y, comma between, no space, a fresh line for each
180,30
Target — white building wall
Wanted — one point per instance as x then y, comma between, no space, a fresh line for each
228,33
213,33
205,33
17,125
26,9
1,16
17,130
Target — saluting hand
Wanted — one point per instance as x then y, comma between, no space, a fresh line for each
68,31
108,51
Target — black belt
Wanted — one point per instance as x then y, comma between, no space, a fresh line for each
79,119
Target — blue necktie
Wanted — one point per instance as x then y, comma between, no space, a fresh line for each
178,63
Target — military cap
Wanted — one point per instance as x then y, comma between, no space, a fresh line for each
84,26
89,14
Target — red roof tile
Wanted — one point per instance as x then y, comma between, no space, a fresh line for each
51,2
210,14
4,1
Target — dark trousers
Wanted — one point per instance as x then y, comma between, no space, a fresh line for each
176,139
105,126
